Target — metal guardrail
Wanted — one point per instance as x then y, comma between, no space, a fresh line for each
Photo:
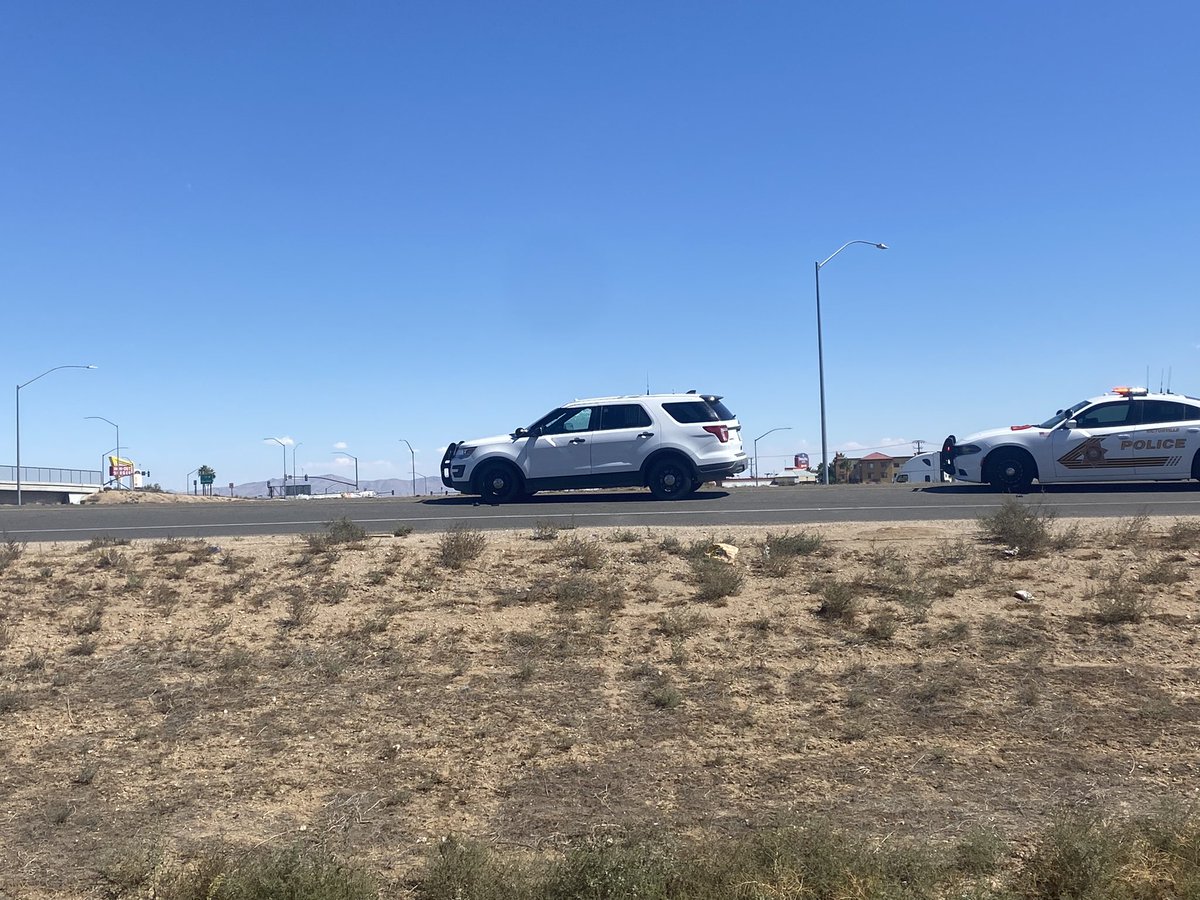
36,474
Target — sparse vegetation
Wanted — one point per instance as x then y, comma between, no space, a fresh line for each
715,579
460,545
1027,530
10,552
839,601
659,725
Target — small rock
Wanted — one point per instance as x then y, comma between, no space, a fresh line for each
1012,551
725,552
1023,596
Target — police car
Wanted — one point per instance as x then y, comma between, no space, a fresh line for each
1127,435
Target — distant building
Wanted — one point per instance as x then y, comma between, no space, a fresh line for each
874,468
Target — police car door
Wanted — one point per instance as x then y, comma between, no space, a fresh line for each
1166,438
1099,447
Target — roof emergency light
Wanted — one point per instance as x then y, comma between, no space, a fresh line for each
1130,391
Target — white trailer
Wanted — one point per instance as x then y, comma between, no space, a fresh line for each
920,469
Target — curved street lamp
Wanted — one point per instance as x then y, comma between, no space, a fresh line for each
821,354
26,384
355,458
187,481
118,450
759,438
414,465
282,484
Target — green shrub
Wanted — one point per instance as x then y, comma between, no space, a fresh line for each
460,545
839,601
716,579
1024,528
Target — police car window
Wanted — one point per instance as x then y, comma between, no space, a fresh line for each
564,421
623,415
1158,412
691,411
1105,415
1063,414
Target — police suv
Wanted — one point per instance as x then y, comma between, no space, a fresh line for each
670,443
1128,435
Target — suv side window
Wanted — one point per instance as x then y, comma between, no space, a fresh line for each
689,412
1106,415
1158,412
624,415
567,421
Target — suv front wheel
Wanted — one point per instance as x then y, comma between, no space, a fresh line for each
499,483
670,479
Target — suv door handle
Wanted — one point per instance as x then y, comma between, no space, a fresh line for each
577,441
1123,437
646,434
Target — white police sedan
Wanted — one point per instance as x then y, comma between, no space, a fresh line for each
1127,435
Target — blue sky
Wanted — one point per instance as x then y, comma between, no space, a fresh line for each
438,221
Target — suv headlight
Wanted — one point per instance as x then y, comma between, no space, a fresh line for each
463,452
966,449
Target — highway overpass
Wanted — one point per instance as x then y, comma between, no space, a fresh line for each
48,485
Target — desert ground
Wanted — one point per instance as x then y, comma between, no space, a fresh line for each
379,693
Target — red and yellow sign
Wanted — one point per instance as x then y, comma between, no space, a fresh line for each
120,468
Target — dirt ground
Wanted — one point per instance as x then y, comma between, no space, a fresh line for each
373,696
114,496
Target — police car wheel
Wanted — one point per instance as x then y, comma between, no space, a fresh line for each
1196,466
1011,471
499,483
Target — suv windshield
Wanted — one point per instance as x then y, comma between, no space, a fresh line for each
1063,414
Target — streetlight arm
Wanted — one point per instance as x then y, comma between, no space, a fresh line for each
847,244
773,430
48,371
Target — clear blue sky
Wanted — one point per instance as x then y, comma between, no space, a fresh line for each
364,222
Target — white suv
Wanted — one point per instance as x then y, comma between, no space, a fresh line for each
670,443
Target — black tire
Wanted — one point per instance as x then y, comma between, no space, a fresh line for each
696,484
670,479
499,482
1196,466
1011,471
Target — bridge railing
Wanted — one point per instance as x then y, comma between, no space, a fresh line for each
34,474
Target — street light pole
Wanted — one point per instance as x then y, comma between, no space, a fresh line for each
294,446
759,438
414,465
355,458
19,386
282,484
821,354
187,481
118,451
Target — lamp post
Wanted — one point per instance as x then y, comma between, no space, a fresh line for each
821,354
414,465
282,484
294,446
355,458
424,482
187,481
117,451
759,438
19,386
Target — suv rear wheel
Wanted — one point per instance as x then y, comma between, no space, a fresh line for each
499,483
670,479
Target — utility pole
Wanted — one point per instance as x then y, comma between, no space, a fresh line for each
918,446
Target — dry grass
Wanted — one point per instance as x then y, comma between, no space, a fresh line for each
601,685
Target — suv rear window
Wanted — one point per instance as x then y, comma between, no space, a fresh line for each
688,412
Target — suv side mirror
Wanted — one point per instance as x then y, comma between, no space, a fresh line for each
1070,424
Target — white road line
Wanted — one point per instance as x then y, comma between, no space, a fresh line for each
1061,508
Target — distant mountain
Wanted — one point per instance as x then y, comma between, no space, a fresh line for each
322,484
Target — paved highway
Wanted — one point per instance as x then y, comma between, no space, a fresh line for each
711,507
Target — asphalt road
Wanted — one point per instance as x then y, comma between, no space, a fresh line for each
741,506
